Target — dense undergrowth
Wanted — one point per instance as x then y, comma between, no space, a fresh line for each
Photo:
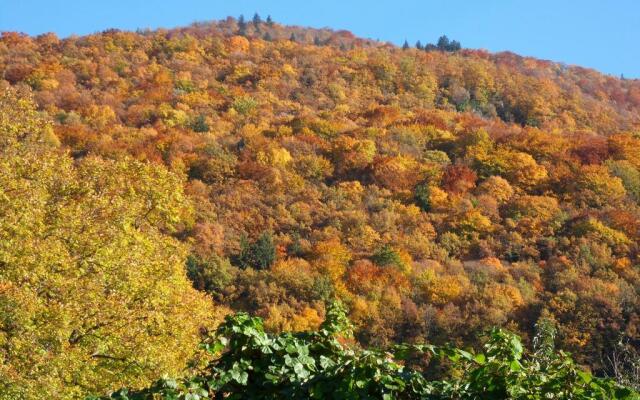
249,363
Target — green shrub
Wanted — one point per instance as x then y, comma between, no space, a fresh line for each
244,105
249,363
422,196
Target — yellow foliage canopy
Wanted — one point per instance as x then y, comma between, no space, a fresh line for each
92,289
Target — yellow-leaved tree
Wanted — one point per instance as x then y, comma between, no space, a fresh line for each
93,290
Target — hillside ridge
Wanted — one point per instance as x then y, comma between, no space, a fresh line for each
437,194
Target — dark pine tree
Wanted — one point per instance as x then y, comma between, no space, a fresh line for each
443,43
405,46
260,254
430,47
242,25
419,45
256,19
292,37
269,20
200,124
264,251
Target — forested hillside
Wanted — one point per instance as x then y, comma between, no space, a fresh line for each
437,192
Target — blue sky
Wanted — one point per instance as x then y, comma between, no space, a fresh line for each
602,34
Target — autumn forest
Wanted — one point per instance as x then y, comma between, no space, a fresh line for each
153,183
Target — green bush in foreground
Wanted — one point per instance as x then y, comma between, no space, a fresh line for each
252,364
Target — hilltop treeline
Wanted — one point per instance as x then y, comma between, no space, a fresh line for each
436,193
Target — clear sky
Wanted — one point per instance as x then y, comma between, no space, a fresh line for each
602,34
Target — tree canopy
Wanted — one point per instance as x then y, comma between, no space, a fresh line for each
92,286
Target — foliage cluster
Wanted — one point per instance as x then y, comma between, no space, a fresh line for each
92,285
249,363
